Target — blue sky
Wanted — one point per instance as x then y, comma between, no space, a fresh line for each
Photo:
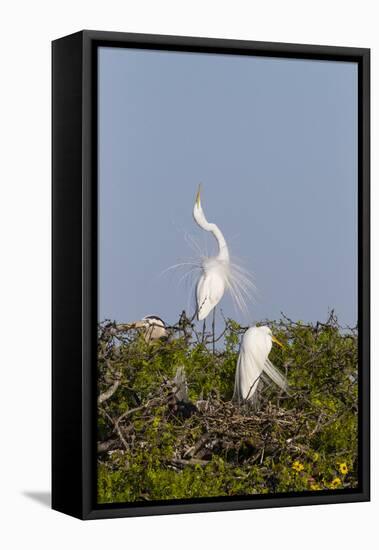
274,143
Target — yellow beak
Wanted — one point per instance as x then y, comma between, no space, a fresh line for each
198,195
277,341
135,324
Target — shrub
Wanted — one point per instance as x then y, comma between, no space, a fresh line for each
150,447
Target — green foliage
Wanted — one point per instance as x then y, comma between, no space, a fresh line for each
304,441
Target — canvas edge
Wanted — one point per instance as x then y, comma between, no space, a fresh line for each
82,505
67,362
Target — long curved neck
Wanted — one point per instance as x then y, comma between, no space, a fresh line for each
223,251
200,219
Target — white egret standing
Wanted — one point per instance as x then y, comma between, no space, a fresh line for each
253,364
218,273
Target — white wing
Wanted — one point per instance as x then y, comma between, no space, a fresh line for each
210,289
248,374
275,375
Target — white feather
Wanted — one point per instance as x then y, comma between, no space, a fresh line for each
218,273
254,365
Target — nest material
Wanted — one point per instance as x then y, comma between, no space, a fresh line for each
214,427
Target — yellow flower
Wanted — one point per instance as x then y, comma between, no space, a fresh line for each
315,487
343,468
297,466
336,483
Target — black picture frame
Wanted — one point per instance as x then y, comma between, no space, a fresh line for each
74,270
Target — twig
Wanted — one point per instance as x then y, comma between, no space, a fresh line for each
109,392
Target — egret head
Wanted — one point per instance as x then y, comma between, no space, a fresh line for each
268,332
198,213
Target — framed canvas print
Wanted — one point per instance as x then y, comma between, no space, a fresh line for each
210,274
